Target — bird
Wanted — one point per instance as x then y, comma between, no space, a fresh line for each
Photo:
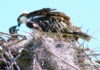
13,30
50,20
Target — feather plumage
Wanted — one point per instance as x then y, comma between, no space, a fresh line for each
51,20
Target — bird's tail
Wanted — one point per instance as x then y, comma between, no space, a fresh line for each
77,35
82,35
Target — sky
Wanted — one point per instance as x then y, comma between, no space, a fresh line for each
83,13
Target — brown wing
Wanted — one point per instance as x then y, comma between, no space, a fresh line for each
40,12
48,12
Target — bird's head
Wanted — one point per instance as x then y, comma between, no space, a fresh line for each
13,29
22,18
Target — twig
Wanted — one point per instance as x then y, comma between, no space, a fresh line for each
89,59
90,54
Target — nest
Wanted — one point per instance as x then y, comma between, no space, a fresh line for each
43,53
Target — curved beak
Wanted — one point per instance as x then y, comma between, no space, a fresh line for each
19,24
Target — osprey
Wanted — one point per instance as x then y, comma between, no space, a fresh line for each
48,19
13,30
